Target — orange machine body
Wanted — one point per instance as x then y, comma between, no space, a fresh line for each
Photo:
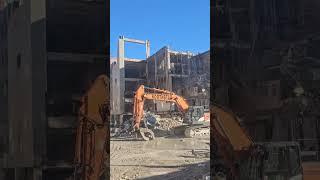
144,93
93,131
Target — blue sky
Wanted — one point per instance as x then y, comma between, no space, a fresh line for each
183,25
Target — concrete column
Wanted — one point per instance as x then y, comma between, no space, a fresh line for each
37,174
168,77
121,72
2,175
39,80
147,49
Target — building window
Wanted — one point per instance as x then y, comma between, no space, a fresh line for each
195,90
19,61
5,88
2,58
17,3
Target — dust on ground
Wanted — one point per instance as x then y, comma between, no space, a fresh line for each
164,158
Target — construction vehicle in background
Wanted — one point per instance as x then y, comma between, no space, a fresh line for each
92,136
197,120
237,157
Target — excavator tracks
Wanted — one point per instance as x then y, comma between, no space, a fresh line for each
197,131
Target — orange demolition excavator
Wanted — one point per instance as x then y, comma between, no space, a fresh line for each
92,138
145,93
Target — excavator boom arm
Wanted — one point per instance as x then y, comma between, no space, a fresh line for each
144,93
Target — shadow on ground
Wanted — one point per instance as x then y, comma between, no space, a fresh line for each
158,133
197,171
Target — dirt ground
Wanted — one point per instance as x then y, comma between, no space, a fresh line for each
163,158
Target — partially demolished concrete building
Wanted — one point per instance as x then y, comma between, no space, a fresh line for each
197,84
181,72
168,69
266,68
165,69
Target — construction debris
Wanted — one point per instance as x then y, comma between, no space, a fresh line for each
162,126
169,123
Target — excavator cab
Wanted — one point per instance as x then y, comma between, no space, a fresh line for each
198,120
146,93
197,115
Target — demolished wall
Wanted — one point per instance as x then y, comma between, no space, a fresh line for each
168,69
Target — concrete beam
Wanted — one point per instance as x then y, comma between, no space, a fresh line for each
134,60
146,42
178,75
134,79
73,57
134,41
183,53
234,44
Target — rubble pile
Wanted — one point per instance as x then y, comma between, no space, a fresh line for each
160,125
169,123
124,131
166,126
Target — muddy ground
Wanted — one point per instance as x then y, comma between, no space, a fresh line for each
168,157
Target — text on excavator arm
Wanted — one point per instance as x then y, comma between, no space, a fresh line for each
158,95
